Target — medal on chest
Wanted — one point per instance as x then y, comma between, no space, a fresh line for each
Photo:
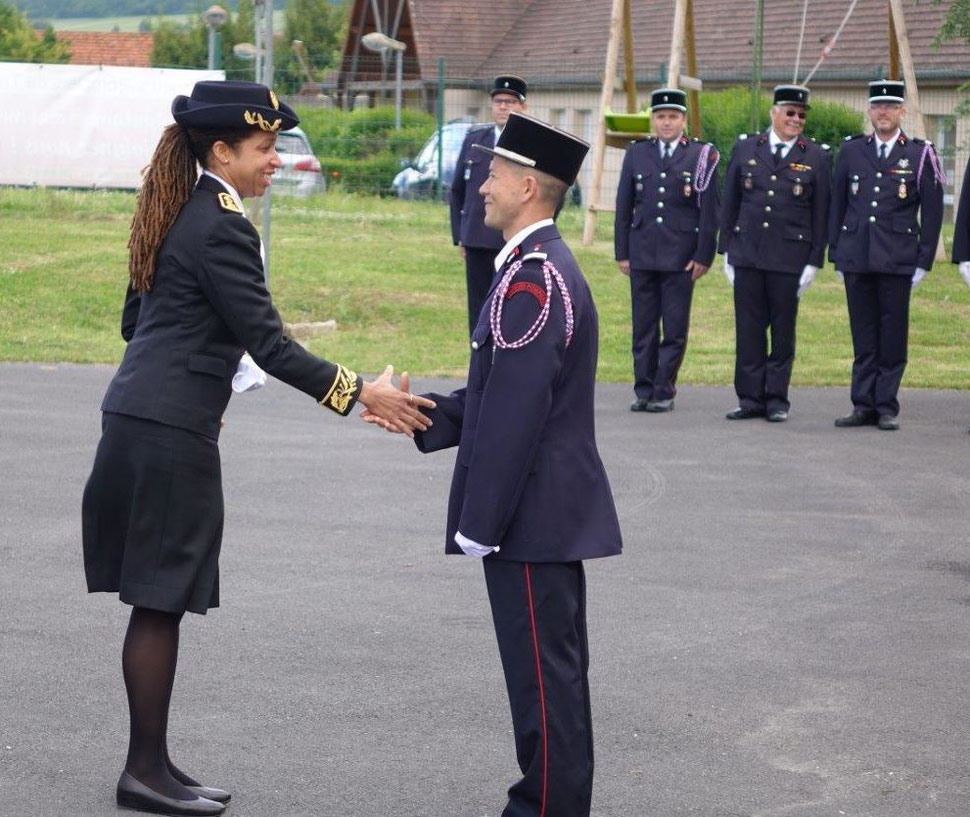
903,192
797,188
855,186
688,185
748,182
639,182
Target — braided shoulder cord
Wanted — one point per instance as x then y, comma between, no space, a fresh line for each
934,163
704,172
549,273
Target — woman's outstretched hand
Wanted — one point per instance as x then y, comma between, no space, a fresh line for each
392,407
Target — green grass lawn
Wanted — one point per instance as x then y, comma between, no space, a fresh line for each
387,272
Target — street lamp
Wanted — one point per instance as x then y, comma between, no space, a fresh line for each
381,43
214,17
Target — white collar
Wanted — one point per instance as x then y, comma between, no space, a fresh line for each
674,143
774,139
498,133
231,190
517,239
890,141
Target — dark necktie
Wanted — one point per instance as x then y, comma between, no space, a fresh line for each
778,149
667,150
882,151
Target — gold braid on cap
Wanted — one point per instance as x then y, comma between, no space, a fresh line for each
257,119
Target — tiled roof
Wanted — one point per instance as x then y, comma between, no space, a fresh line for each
108,48
566,39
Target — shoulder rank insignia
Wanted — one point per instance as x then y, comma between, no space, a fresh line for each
227,202
535,256
742,136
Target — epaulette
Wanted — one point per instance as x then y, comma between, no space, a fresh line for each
917,141
742,136
228,203
852,136
535,256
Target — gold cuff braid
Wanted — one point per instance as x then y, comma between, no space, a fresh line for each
343,391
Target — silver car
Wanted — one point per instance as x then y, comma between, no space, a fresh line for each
300,174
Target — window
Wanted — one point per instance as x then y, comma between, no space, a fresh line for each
557,117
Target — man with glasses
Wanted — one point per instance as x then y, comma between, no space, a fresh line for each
477,243
665,234
887,210
773,231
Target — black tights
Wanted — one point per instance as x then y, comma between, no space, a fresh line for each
148,661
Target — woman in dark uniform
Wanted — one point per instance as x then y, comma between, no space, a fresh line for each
197,299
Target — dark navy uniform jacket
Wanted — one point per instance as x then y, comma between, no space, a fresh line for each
466,204
662,223
774,215
528,476
209,304
874,225
961,231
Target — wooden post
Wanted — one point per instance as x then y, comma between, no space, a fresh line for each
606,98
629,72
909,72
694,98
893,48
677,43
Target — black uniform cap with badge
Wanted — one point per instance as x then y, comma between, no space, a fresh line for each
791,95
530,142
887,90
232,104
668,99
509,84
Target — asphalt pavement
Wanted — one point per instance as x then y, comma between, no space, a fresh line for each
785,634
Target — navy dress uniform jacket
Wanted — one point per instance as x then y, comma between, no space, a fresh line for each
662,222
209,304
961,231
528,476
466,204
774,214
874,226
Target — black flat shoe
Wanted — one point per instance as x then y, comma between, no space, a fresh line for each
744,413
660,406
638,405
888,423
209,793
777,416
135,795
857,418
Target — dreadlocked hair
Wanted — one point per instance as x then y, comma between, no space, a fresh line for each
168,184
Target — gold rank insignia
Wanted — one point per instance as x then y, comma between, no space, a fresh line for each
798,166
229,203
274,101
342,391
258,119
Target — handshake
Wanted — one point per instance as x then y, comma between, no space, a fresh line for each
394,408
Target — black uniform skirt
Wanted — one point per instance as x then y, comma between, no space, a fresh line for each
152,516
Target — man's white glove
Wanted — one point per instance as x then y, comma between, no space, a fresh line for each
808,275
918,276
728,271
470,548
839,273
965,271
248,375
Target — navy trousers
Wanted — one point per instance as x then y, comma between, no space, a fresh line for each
764,302
661,319
479,270
539,612
879,318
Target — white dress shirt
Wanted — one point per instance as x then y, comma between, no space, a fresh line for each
775,140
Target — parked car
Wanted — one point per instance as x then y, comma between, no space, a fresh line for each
300,174
417,179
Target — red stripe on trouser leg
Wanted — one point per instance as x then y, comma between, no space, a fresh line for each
542,693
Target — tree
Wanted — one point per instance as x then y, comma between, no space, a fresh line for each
19,41
956,23
321,26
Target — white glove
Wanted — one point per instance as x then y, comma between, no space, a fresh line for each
248,375
965,271
808,275
918,276
839,273
728,271
470,548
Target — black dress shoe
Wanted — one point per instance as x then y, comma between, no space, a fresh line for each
741,413
136,795
638,405
209,793
888,423
777,416
660,406
857,418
